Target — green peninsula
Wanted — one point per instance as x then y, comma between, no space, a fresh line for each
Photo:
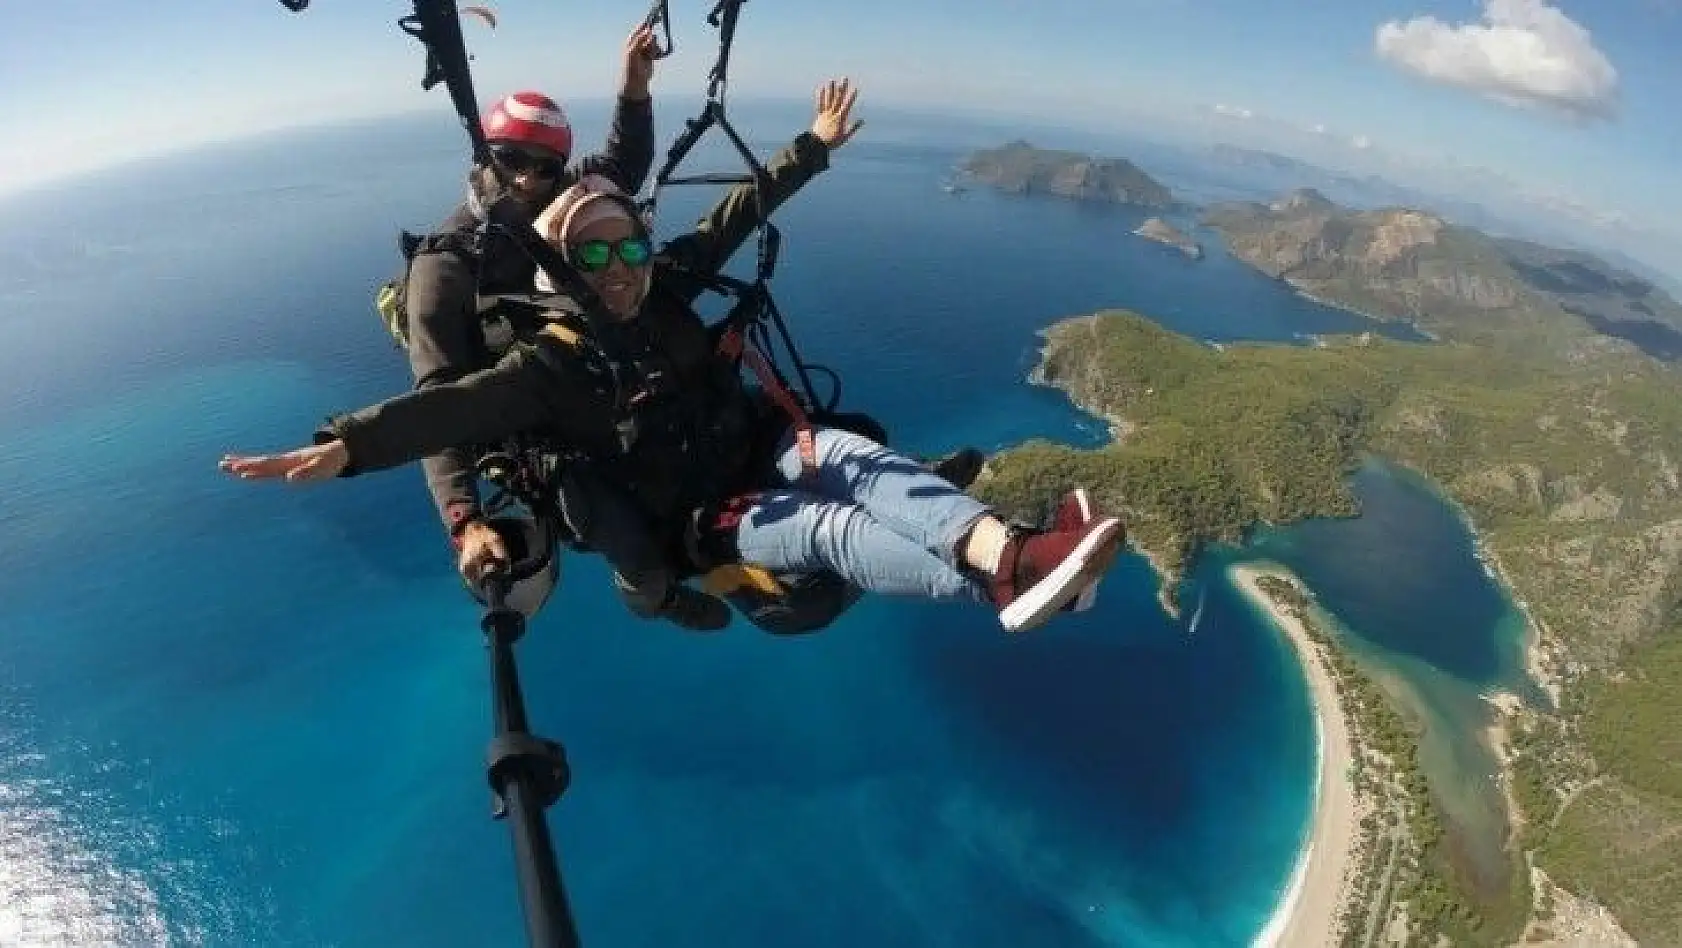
1021,168
1536,411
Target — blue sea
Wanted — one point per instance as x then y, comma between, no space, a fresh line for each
238,714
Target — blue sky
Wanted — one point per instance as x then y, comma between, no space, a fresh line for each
1571,103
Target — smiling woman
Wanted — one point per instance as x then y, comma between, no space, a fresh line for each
603,234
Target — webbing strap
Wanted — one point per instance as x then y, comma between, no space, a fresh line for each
660,15
731,345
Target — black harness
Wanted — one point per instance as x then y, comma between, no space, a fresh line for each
528,468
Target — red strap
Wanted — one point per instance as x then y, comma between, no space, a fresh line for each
732,511
730,345
460,515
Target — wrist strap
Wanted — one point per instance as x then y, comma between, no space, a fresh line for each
461,516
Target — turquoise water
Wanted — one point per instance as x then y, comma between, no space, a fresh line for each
1434,603
1414,603
238,714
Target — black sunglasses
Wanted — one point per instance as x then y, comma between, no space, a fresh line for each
517,160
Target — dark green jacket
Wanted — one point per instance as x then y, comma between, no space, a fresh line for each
446,339
697,425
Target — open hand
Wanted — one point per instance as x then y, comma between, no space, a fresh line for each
318,462
835,107
640,51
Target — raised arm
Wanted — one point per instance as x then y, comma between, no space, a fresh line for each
722,231
629,152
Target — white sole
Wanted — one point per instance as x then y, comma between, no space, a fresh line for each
1088,596
1088,560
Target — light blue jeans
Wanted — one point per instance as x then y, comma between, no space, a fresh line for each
876,518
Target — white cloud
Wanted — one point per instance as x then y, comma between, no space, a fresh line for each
1361,141
1524,53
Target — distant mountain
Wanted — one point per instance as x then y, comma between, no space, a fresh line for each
1613,301
1304,200
1021,168
1502,209
1453,281
1664,281
1253,158
1368,190
1296,173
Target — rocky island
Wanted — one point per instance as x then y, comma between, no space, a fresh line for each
1553,435
1163,232
1021,168
1410,265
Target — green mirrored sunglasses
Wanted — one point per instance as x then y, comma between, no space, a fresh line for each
593,255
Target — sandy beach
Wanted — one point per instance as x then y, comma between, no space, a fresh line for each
1309,911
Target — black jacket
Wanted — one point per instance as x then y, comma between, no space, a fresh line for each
445,337
697,425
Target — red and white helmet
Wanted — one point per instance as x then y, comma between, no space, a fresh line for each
529,118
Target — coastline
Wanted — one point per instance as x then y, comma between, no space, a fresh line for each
1310,911
1303,291
1160,231
1536,657
1119,427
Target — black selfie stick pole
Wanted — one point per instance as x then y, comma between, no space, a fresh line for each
527,773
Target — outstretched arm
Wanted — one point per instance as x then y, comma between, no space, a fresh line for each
512,396
721,233
629,153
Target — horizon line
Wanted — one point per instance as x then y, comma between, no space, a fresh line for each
440,109
28,186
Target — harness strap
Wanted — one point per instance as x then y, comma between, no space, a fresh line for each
660,14
730,345
465,243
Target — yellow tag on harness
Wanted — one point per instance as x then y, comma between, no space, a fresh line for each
561,333
723,580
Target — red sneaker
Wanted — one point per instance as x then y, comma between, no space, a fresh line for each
1041,572
1072,512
